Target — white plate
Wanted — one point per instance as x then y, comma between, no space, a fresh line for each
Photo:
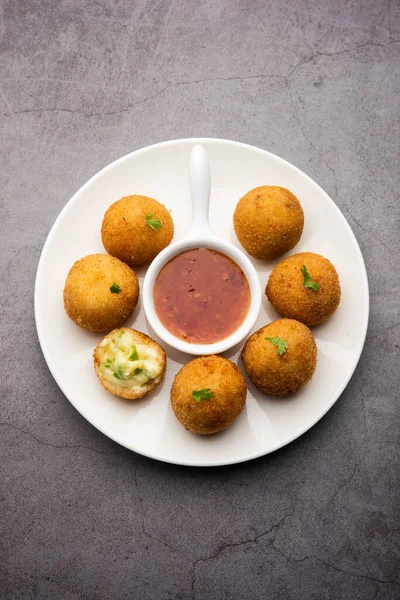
149,426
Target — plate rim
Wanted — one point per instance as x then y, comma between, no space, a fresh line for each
216,141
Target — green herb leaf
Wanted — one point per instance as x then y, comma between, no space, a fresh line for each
138,371
200,395
307,280
109,362
115,289
153,223
118,373
280,344
134,355
121,333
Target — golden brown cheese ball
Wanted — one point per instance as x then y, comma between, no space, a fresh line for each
268,221
292,299
129,363
285,362
208,394
100,292
136,228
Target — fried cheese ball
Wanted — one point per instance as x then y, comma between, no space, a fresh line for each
268,221
100,292
208,394
285,362
129,363
136,228
292,299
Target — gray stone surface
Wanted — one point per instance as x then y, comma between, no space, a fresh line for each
84,82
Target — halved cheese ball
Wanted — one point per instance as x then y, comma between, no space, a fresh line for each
129,363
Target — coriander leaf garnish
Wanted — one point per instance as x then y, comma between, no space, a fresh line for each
200,395
280,344
121,333
118,373
153,223
134,355
307,280
115,289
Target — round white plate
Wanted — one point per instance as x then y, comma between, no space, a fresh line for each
149,426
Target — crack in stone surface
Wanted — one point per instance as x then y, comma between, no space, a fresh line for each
335,568
232,78
62,585
221,549
61,446
142,519
102,19
392,326
252,540
2,94
204,80
367,230
363,408
340,52
307,139
347,481
389,28
144,100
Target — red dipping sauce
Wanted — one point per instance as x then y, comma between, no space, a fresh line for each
201,296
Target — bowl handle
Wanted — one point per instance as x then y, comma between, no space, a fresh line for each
200,186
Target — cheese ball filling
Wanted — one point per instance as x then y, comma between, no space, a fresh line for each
124,363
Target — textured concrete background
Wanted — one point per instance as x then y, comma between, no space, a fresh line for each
83,83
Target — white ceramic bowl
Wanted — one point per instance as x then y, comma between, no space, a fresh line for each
201,236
